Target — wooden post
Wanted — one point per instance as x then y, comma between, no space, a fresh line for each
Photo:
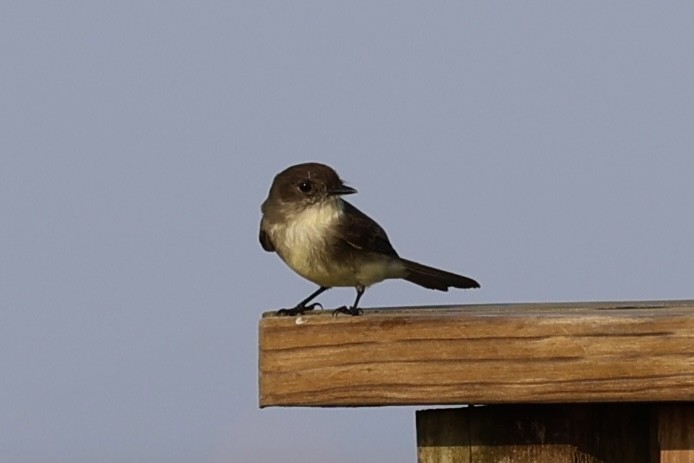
558,433
585,433
675,428
580,382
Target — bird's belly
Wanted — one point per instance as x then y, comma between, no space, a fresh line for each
375,268
329,271
322,271
306,246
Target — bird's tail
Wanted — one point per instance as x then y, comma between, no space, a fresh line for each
433,278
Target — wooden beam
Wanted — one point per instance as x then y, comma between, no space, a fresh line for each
505,353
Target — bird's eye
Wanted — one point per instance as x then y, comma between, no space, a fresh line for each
306,186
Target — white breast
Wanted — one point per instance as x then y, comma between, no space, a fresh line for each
300,240
304,242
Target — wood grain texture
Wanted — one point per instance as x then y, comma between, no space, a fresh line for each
675,425
538,433
508,353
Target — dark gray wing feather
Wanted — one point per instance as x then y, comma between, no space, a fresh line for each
265,241
363,233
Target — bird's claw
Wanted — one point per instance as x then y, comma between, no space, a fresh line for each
347,311
299,309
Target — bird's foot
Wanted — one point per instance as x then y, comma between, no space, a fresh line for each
298,310
353,311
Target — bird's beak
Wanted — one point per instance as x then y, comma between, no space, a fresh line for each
342,190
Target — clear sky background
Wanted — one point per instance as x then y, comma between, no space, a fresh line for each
544,148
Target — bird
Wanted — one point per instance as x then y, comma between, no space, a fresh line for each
328,241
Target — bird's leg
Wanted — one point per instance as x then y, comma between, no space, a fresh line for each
354,310
301,307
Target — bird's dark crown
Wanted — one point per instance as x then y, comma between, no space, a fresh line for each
307,184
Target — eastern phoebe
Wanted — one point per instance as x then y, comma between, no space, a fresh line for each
328,241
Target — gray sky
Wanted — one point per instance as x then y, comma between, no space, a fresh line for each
545,149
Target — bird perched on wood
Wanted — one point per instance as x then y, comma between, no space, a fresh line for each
328,241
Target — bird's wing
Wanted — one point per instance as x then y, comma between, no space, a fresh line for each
362,232
265,241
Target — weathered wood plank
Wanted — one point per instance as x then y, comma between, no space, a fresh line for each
509,353
557,433
675,427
